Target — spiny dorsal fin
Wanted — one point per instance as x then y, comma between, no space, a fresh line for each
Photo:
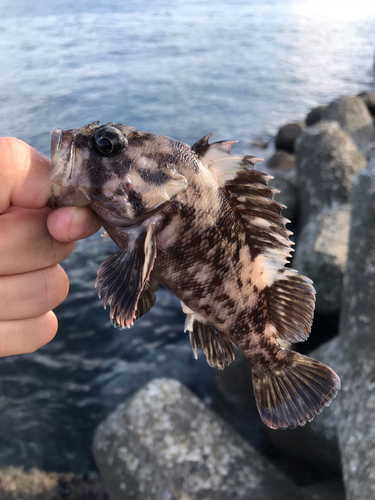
291,297
217,158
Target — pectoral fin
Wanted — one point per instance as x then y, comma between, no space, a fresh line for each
130,290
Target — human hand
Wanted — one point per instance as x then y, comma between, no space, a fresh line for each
33,240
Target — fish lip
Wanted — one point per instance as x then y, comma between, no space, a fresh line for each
56,137
63,192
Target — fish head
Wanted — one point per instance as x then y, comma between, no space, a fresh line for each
124,174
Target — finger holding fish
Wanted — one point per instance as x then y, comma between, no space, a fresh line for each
31,282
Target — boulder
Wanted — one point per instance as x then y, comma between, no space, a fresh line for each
320,254
327,162
259,143
315,115
233,386
163,443
281,160
287,136
357,399
35,484
316,443
355,119
369,99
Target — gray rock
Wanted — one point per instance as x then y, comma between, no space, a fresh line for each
287,136
35,484
315,115
233,386
317,442
369,99
164,443
355,119
321,253
327,162
357,398
233,400
287,196
281,160
259,143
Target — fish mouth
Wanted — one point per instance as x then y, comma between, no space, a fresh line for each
62,173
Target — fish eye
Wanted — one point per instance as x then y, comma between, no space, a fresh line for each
107,141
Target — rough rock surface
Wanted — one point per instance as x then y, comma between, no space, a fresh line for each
357,398
164,444
316,442
355,119
281,160
287,136
321,253
369,99
315,115
327,162
17,484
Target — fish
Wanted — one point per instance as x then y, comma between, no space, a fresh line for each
203,222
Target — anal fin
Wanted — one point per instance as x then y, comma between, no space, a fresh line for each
219,350
126,278
294,393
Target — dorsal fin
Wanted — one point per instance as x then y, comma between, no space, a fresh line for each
291,297
217,158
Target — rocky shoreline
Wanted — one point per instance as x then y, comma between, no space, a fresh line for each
163,443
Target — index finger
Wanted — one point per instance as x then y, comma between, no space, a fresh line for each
24,175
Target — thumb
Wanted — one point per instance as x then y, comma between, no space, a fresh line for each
24,175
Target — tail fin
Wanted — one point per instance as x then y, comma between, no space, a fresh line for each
295,393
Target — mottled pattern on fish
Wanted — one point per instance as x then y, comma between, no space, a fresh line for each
203,223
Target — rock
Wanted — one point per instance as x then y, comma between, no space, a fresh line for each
357,398
321,253
329,490
164,443
233,399
288,134
281,160
316,443
233,386
287,196
259,143
315,115
327,162
369,99
17,484
355,119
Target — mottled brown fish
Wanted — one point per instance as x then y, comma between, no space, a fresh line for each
204,224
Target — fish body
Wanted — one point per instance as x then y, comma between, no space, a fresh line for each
203,223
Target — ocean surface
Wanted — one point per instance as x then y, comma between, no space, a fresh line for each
239,69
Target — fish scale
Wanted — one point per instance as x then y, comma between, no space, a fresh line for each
204,223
